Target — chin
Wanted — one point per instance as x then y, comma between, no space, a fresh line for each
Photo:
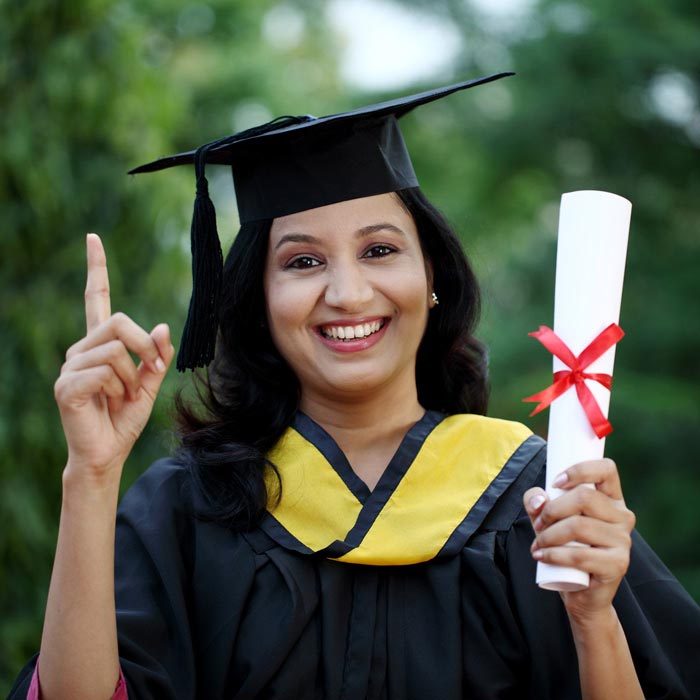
358,382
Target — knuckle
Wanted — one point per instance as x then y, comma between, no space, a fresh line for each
148,352
115,349
631,519
103,373
609,465
149,345
584,495
59,389
118,387
580,527
622,563
100,291
625,562
578,556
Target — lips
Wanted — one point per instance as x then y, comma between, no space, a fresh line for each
352,335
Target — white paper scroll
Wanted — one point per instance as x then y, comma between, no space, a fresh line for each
591,252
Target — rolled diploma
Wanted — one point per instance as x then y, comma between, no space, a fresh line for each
591,253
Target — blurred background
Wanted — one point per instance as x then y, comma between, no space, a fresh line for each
606,97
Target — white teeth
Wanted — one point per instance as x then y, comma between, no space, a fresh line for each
350,332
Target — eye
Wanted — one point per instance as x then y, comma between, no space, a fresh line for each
379,251
303,262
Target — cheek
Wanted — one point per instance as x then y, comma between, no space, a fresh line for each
409,292
289,305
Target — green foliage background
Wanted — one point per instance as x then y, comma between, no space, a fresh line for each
91,88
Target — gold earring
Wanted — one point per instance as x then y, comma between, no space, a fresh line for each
434,297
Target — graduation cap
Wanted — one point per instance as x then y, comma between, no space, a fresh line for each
288,165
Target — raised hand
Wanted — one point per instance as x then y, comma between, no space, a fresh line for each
597,517
104,399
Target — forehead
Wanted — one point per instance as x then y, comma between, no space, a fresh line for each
348,217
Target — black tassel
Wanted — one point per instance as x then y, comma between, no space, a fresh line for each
199,335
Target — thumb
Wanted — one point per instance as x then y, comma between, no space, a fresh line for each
152,378
534,500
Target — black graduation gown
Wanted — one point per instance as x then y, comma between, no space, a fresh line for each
296,610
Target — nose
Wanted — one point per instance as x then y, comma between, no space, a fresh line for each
348,287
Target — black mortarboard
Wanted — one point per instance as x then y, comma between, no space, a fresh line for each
285,166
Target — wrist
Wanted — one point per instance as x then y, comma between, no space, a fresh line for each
604,622
86,483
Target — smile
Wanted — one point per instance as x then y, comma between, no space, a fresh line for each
344,337
361,330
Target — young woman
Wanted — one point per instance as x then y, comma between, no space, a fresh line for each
341,521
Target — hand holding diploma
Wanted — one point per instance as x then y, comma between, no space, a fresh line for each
597,517
591,253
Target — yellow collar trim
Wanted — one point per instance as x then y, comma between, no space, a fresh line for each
418,504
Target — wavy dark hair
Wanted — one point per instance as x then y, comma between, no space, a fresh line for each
248,396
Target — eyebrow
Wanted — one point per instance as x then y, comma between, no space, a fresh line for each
360,233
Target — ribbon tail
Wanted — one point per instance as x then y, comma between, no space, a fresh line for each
546,396
555,345
608,337
605,379
600,424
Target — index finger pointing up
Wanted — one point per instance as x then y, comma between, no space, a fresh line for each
97,303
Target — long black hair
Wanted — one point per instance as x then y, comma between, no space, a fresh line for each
248,396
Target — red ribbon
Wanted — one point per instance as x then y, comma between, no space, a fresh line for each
575,375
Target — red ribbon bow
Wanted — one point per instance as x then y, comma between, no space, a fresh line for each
575,375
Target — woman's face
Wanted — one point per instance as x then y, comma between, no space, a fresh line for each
348,294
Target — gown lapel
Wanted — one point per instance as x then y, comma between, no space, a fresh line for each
439,486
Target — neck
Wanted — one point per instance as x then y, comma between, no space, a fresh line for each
355,424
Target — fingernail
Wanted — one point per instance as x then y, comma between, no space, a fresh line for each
536,501
160,365
537,554
560,480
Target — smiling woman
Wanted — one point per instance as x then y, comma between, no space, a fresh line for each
341,520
